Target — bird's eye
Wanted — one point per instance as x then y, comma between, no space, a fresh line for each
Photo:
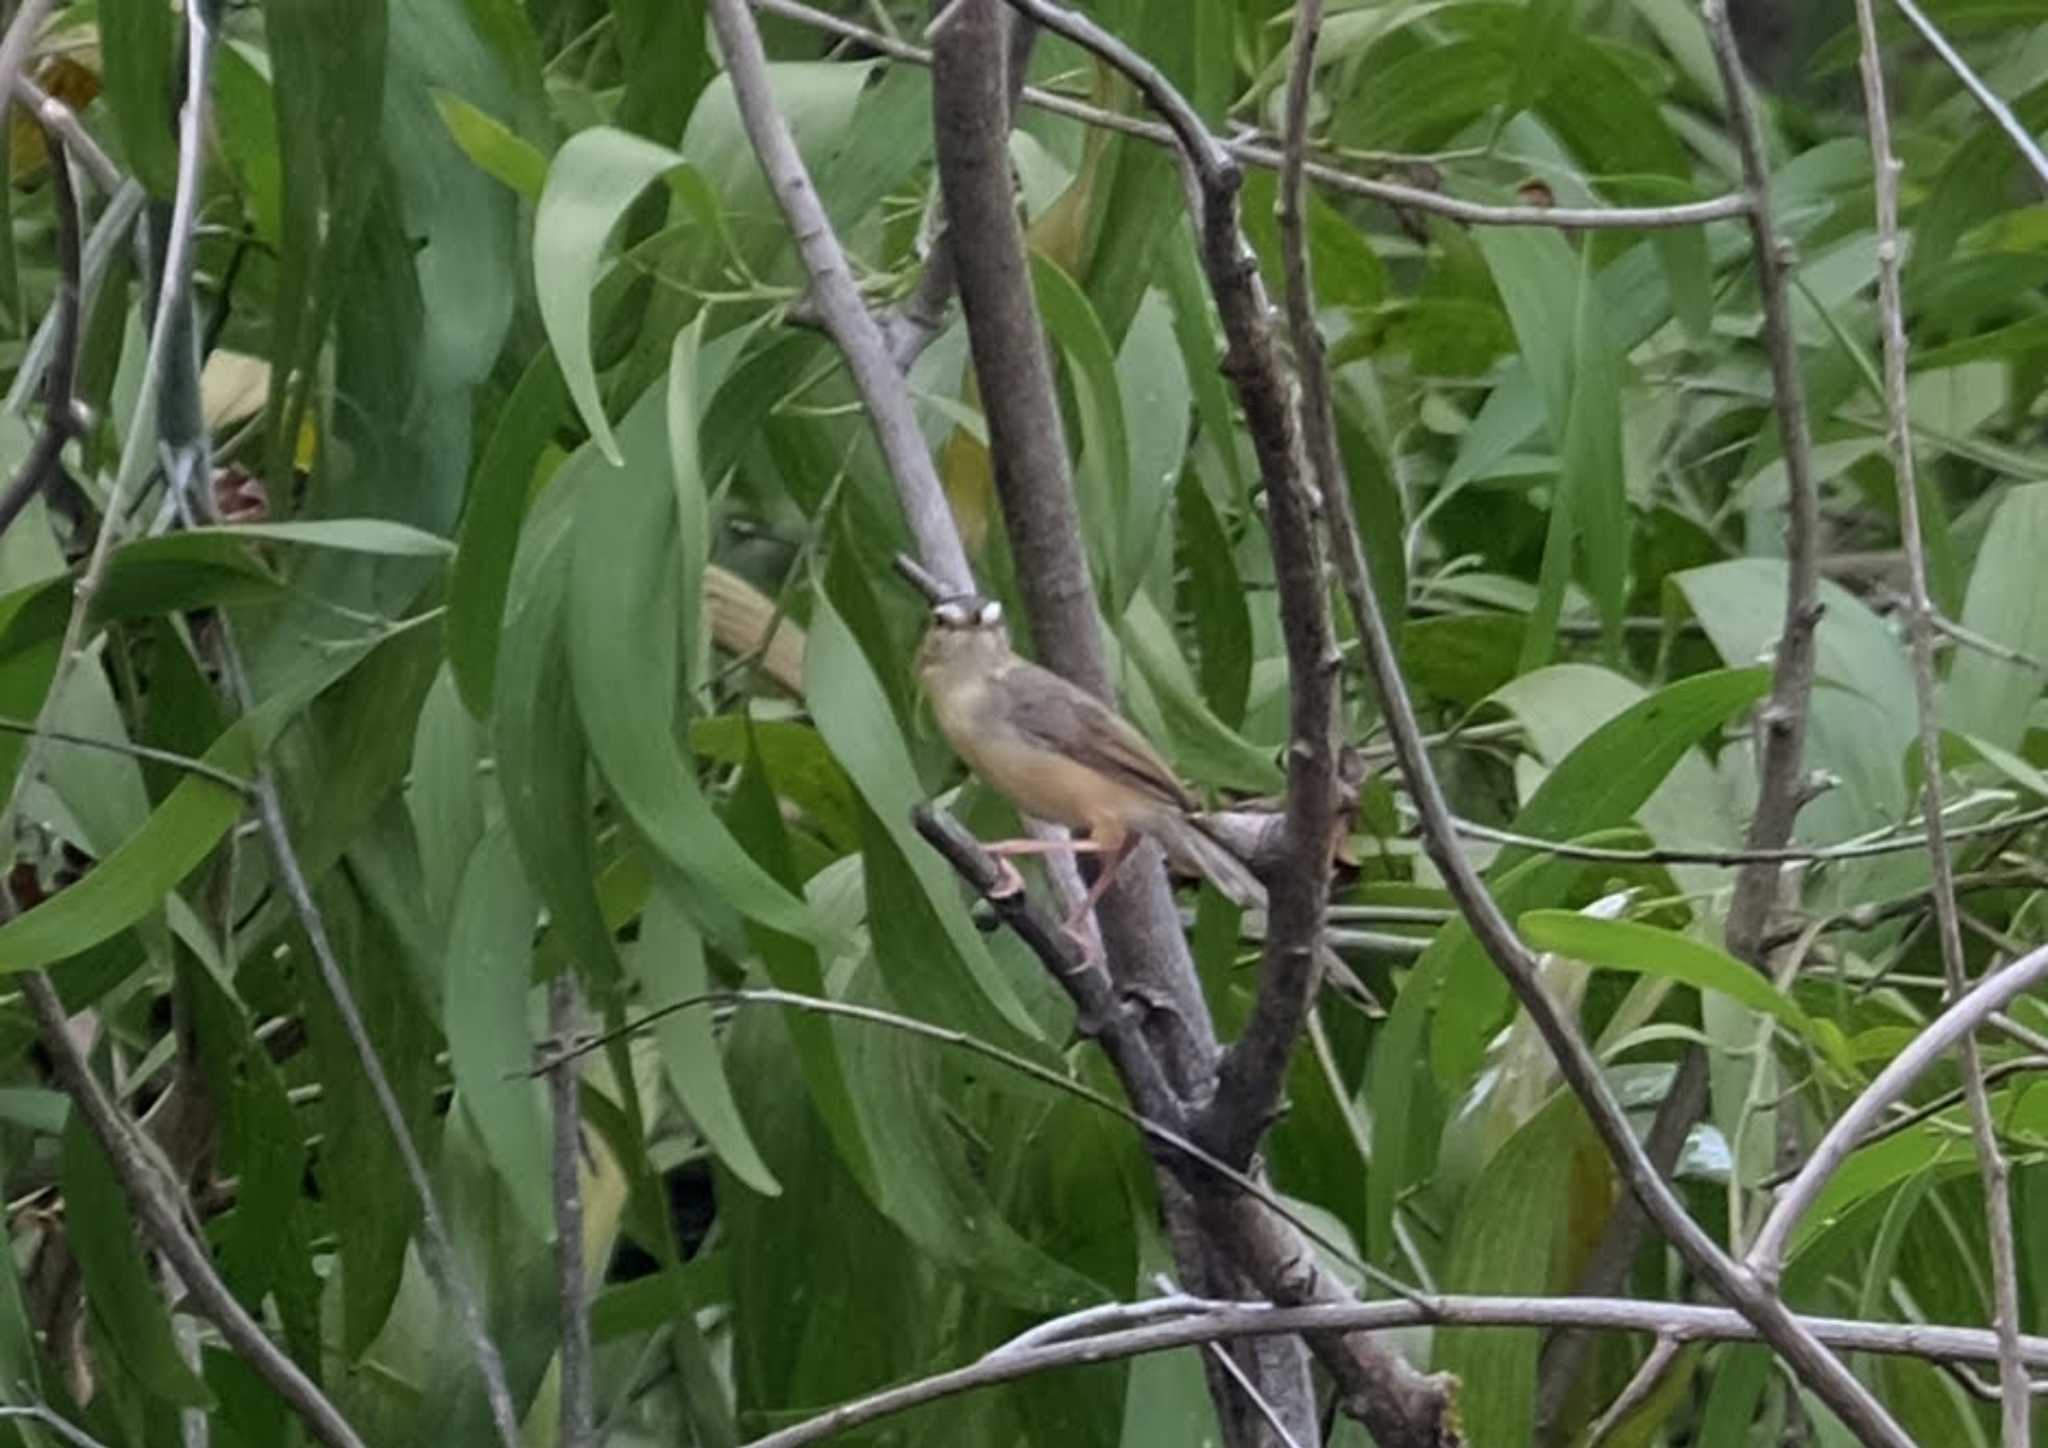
991,614
950,615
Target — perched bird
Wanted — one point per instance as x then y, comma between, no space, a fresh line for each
1061,754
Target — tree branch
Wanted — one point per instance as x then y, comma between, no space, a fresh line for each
572,1285
1251,153
2015,1389
1782,719
1213,1322
1865,1113
163,1216
1998,110
833,291
1816,1366
1254,1070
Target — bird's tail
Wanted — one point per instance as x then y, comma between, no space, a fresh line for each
1193,848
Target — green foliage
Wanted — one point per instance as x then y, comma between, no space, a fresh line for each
543,461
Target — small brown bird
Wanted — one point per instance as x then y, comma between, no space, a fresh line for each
1061,754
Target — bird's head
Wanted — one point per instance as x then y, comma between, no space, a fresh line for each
966,634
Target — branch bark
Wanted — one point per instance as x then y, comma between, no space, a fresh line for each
1232,276
1255,1068
1252,153
2015,1388
163,1215
1678,1323
1781,721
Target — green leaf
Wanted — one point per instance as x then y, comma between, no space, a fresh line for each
1106,447
1514,1235
668,963
1202,744
497,150
349,535
1553,303
124,1301
2007,603
486,1020
498,495
132,881
1156,400
246,122
624,565
543,759
136,42
592,181
1646,950
1601,784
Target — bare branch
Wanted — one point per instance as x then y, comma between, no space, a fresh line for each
1998,110
1903,840
1820,1369
2015,1388
1865,1114
1255,1069
839,302
572,1286
1678,1323
1251,153
21,34
153,1197
1783,717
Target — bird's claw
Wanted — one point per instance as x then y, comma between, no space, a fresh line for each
1008,882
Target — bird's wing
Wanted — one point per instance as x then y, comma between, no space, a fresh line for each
1061,716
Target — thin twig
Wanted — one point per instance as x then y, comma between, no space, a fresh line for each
188,465
838,300
1166,1141
113,229
1679,1322
1663,1352
913,323
1782,719
1971,639
63,1429
1815,1365
1268,158
60,410
1893,843
153,755
1999,111
150,1192
572,1282
1865,1114
2017,1406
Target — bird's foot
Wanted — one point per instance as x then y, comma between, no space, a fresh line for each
1008,882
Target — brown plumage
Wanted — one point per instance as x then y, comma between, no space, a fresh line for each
1060,754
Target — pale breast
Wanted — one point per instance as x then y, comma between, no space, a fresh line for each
1037,780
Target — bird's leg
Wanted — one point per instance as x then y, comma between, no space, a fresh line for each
1117,856
1008,881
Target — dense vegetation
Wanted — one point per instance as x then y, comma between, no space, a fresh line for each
447,557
